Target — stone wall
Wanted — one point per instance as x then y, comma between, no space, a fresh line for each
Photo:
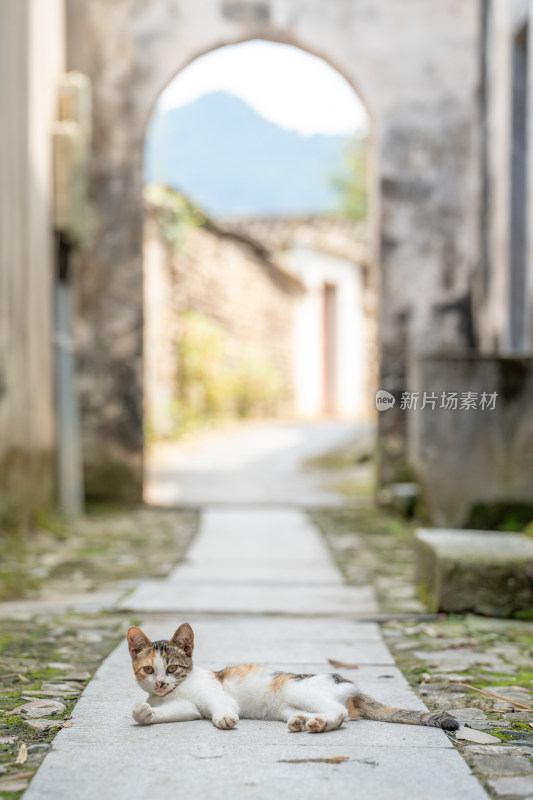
328,250
32,48
228,281
416,66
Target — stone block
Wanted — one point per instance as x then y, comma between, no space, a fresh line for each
518,786
499,761
473,461
481,571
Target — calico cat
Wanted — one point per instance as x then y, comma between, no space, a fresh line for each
178,691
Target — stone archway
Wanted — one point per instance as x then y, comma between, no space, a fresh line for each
293,328
423,109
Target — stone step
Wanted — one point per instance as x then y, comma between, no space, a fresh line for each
487,572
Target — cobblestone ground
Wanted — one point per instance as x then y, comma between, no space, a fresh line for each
479,669
55,632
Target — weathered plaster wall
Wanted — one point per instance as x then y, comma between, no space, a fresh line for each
32,57
351,340
415,65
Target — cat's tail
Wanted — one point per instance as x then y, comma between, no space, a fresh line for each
361,706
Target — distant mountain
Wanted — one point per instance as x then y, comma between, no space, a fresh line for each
231,161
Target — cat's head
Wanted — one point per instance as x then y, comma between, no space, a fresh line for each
161,666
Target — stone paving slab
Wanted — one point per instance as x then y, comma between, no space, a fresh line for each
261,532
246,545
257,545
221,641
313,635
268,571
250,598
218,770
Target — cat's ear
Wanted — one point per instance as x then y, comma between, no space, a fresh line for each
184,638
137,641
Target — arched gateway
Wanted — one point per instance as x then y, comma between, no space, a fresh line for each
423,106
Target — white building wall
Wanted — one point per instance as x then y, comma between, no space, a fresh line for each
316,269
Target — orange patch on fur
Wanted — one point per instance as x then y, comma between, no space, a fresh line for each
353,712
237,673
144,661
280,680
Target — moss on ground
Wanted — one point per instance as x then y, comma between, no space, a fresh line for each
373,546
105,546
30,649
109,548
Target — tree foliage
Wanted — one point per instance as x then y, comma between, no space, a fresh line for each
352,185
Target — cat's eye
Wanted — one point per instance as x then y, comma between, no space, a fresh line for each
172,668
148,670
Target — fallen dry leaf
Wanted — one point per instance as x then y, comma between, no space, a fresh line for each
342,664
22,754
67,724
332,760
18,777
27,774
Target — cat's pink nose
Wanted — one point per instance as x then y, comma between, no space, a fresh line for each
160,684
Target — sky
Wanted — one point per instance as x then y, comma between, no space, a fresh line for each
288,86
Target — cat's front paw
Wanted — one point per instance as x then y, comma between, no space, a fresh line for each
317,725
297,723
143,713
226,722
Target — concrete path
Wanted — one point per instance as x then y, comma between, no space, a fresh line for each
258,586
255,463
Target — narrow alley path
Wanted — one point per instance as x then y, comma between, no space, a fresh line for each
258,585
250,464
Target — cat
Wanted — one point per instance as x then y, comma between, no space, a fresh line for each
178,691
